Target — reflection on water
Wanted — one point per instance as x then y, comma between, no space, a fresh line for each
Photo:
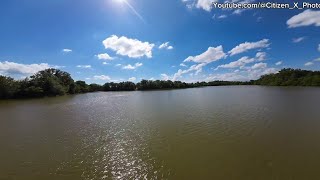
236,132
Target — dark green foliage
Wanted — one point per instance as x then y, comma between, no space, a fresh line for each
8,87
53,82
95,87
290,77
149,85
122,86
49,82
81,87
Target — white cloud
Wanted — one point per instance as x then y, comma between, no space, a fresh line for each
249,74
84,66
222,16
196,67
102,77
165,46
104,56
132,67
11,68
278,63
165,77
132,79
239,63
183,65
261,56
306,18
297,40
259,66
235,76
66,50
105,63
253,74
117,65
308,64
132,48
319,47
243,47
211,55
200,4
205,4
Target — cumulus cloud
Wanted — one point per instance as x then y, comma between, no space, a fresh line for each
132,67
251,73
165,77
183,65
132,79
211,55
102,77
261,56
239,63
11,68
84,66
104,56
278,63
259,66
165,46
197,68
234,76
306,18
222,16
200,4
297,40
66,50
308,64
132,48
205,4
244,47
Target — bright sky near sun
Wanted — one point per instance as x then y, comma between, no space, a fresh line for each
188,40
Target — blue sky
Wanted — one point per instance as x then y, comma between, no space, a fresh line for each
188,40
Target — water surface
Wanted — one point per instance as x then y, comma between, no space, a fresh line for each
233,132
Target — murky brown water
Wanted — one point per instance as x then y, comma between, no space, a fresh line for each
236,132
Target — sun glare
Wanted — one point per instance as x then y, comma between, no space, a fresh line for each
120,1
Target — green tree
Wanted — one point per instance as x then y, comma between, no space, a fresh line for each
52,81
8,87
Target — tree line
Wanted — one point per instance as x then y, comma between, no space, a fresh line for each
290,77
54,82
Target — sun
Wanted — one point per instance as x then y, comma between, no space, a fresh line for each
120,1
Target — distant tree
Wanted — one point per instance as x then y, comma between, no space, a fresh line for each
95,87
52,81
8,87
290,77
82,87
